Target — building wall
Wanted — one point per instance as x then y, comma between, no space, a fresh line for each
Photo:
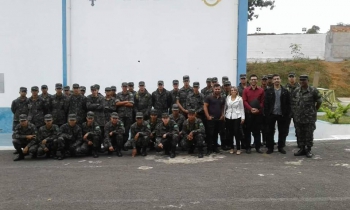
338,43
277,47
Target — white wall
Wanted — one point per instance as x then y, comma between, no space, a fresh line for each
30,45
276,47
170,38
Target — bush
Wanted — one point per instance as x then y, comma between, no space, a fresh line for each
337,113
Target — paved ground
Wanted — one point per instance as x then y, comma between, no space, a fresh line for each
223,181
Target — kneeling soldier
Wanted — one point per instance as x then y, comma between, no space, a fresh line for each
140,132
70,138
114,131
194,132
167,135
47,134
91,136
24,136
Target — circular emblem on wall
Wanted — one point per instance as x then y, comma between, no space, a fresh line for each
211,3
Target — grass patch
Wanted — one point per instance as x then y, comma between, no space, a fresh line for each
343,120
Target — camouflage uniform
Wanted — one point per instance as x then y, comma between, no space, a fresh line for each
58,109
161,101
241,88
196,102
70,139
109,108
19,140
198,130
125,113
46,98
50,135
305,113
183,94
144,131
172,136
96,105
153,126
94,134
19,106
143,103
76,104
179,120
36,111
116,140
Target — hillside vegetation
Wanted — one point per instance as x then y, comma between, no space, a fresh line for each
333,75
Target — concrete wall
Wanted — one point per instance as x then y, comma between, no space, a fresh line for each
338,43
277,47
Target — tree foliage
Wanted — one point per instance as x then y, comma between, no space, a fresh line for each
337,113
313,30
254,4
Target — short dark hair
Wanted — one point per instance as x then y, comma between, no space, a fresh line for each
276,75
216,85
253,75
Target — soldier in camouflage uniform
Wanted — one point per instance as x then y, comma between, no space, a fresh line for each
269,80
223,90
195,101
96,104
19,106
131,90
307,100
153,122
161,99
46,97
67,91
243,84
184,92
69,138
114,89
140,134
264,127
174,93
204,91
91,136
82,90
179,120
76,104
167,135
110,107
125,105
58,106
114,131
264,82
36,107
24,136
193,133
47,135
143,101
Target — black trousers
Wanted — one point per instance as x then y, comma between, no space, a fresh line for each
233,129
283,129
253,124
214,128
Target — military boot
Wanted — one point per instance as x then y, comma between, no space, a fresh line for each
144,151
119,153
172,154
308,152
20,156
200,152
61,155
95,152
301,152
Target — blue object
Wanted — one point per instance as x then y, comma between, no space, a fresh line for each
242,38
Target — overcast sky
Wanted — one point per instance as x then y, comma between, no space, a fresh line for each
290,16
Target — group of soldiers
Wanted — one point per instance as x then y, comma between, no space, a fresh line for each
68,123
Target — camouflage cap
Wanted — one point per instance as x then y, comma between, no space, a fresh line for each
154,112
196,84
242,76
58,86
227,83
141,83
35,88
269,76
82,88
165,115
264,77
72,117
93,87
175,82
224,78
214,79
115,115
303,77
97,86
44,87
130,84
139,115
22,117
186,78
113,88
208,79
48,117
160,82
22,89
191,111
75,85
175,107
291,74
108,89
90,115
124,84
66,88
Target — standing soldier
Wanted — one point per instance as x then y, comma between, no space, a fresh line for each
24,136
69,139
195,101
46,97
269,80
67,91
143,101
109,108
264,127
161,99
36,108
91,136
277,109
205,90
19,106
227,88
167,135
174,93
140,132
125,104
82,90
58,103
96,104
47,135
153,122
114,89
224,79
131,90
184,92
243,84
264,82
193,132
307,100
76,104
114,131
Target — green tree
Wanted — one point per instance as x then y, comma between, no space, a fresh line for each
313,30
253,4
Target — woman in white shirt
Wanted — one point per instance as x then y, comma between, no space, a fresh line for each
234,117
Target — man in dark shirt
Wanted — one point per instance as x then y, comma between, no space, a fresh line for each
253,98
214,112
